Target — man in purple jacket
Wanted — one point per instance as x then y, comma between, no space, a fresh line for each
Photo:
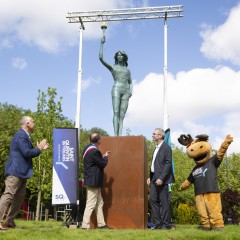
18,169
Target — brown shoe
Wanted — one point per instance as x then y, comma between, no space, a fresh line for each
201,227
218,229
11,225
2,226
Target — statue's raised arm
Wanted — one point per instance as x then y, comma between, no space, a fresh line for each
122,88
103,40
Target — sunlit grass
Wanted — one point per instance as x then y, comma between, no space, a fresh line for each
33,230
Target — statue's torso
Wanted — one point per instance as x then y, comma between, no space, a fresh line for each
121,75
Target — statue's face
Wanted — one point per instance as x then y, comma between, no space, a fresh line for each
120,57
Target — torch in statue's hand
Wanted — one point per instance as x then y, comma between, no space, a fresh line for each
104,28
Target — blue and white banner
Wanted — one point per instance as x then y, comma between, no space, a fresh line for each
65,185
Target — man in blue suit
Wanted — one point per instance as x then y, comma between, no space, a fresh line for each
94,164
161,175
18,169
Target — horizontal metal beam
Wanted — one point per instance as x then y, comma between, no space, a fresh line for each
126,14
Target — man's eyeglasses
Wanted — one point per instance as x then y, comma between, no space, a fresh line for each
156,134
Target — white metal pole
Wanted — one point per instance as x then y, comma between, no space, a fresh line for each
79,84
165,70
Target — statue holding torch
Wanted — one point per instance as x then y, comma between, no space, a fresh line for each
122,88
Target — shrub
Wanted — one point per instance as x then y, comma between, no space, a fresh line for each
231,206
187,214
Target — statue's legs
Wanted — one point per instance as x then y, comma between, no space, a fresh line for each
116,114
116,125
123,110
120,106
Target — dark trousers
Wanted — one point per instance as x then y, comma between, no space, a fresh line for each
160,205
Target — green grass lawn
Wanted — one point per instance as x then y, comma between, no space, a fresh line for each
54,230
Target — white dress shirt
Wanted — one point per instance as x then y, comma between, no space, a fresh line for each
154,155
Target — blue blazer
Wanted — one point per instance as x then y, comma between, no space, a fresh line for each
94,164
19,163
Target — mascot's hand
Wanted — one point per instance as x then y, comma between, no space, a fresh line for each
224,146
228,139
184,185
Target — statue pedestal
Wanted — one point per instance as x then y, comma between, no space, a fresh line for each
125,191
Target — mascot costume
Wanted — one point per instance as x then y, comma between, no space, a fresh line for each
204,178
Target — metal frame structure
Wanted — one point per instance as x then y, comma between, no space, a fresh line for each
121,15
126,14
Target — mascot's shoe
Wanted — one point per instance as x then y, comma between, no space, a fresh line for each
219,229
201,227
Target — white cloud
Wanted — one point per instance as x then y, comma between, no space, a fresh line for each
222,42
232,126
199,101
5,43
19,63
44,23
87,83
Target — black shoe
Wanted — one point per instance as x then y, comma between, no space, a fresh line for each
161,227
172,227
104,227
164,228
156,227
11,225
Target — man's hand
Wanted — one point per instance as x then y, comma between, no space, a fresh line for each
43,145
159,182
148,181
106,154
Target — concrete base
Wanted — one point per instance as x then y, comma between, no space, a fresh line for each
125,190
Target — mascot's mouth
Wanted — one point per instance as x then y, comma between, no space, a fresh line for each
200,158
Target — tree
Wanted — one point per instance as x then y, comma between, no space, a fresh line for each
9,123
48,116
229,173
100,130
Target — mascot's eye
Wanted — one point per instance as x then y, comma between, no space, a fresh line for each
201,146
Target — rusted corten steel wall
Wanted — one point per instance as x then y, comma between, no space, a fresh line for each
125,192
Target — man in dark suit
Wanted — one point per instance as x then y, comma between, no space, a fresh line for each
161,175
94,164
18,169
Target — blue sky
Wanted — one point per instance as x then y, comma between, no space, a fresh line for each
40,49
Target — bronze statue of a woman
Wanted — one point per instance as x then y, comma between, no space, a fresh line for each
122,88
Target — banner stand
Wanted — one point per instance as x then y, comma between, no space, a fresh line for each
65,182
